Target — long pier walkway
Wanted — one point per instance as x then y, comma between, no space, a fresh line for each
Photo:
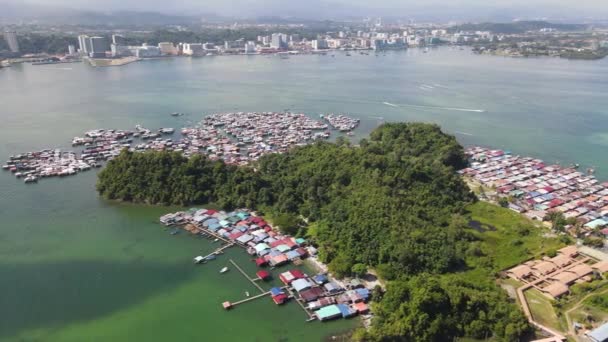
219,250
250,298
246,276
293,295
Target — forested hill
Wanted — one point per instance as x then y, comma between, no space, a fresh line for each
394,203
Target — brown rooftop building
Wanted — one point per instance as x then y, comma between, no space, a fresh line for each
543,268
601,267
556,289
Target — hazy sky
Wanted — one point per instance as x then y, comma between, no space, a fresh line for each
328,8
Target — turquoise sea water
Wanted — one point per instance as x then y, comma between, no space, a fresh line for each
74,267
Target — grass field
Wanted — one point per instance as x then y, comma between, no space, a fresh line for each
542,310
514,238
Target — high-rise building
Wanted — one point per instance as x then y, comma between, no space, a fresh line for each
99,46
11,40
277,41
84,44
118,39
71,49
250,47
319,44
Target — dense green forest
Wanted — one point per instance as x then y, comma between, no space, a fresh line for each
394,203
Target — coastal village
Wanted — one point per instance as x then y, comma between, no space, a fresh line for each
320,296
525,185
236,138
535,189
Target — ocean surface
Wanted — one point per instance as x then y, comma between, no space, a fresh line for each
76,268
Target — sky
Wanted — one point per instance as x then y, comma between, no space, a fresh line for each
325,9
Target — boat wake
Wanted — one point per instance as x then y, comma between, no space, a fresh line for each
433,107
463,133
390,104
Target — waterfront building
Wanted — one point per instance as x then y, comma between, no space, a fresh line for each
250,47
146,51
84,44
120,50
71,49
209,46
11,40
167,48
319,44
389,44
234,44
99,46
266,40
278,41
336,43
194,49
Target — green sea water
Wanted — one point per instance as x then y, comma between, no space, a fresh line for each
76,268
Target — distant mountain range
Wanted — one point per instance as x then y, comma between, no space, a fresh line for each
189,12
15,13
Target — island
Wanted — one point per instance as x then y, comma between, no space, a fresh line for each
393,204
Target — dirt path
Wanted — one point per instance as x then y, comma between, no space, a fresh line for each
571,331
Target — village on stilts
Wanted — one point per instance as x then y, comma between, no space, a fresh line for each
236,138
535,189
319,296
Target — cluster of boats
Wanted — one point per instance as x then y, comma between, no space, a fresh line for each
99,145
46,163
341,122
242,137
236,138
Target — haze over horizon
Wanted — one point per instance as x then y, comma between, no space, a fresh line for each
334,9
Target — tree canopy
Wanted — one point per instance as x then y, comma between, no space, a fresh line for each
393,203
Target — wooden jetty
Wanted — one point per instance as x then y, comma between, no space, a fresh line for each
311,317
252,280
217,251
230,305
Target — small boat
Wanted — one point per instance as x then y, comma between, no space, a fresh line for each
31,179
176,114
175,232
199,260
247,293
211,257
216,240
224,270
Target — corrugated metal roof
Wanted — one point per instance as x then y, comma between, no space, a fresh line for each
600,334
